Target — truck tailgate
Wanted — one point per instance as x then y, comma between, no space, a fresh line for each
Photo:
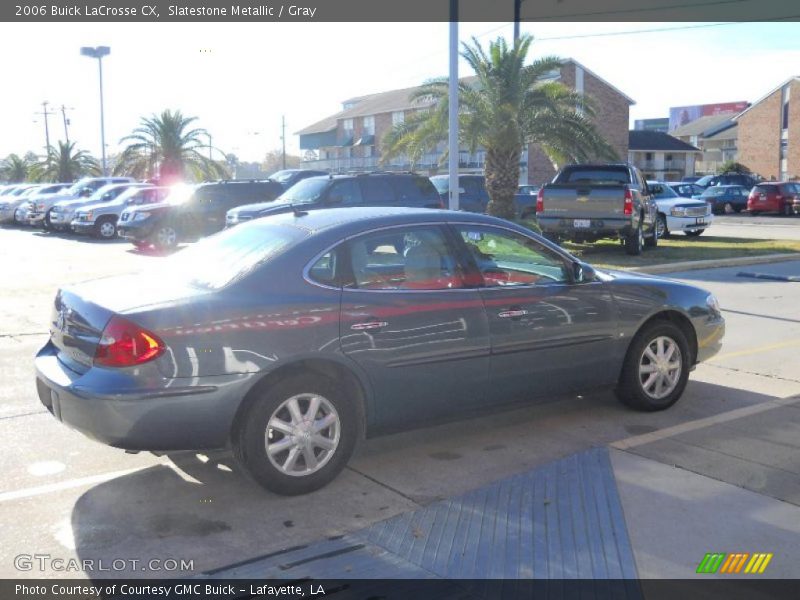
583,202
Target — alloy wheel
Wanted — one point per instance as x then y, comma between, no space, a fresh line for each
167,237
107,229
302,434
660,367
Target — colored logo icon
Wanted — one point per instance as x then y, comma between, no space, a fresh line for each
734,563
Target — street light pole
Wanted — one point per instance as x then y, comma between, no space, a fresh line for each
64,110
453,107
99,52
46,127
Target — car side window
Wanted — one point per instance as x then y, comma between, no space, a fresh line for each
326,270
506,258
346,192
377,191
415,258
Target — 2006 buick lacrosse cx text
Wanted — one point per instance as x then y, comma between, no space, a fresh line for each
292,336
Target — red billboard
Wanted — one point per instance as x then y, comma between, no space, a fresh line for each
681,115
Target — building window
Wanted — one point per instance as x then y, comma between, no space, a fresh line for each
347,125
398,117
369,126
367,151
648,156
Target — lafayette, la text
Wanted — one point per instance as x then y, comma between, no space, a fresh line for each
197,590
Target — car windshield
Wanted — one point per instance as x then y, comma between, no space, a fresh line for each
594,176
282,176
662,190
305,191
442,184
180,194
704,181
219,260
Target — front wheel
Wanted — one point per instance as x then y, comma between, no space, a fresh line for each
634,242
656,368
787,210
695,233
298,435
165,237
106,228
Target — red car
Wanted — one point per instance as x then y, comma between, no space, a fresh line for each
775,196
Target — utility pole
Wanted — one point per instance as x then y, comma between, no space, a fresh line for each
517,11
453,107
64,110
46,114
283,139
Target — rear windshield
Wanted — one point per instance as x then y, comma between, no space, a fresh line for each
442,184
219,260
765,189
306,191
594,175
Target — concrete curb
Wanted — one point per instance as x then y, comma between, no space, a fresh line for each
693,265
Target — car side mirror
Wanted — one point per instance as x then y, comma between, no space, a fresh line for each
582,273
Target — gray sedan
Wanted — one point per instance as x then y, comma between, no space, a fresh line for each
292,336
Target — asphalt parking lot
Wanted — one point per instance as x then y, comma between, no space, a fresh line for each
68,497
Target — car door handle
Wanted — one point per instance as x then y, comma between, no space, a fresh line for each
368,325
512,313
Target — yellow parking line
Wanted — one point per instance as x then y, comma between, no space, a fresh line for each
756,350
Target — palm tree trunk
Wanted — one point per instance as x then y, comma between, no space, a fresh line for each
502,179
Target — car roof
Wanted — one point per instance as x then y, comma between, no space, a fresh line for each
345,217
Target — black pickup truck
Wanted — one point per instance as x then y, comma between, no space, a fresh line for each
585,203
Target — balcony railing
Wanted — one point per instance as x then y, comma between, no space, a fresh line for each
427,162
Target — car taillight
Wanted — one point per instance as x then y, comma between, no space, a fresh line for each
125,344
628,210
540,200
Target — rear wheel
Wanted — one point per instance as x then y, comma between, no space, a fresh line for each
46,221
661,226
787,210
652,241
656,368
106,228
634,242
754,213
695,233
298,435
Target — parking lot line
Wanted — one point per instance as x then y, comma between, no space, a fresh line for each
756,350
66,485
746,411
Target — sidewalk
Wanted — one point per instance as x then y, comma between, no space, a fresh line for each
651,506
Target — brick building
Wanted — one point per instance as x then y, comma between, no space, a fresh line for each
769,133
351,139
716,136
661,157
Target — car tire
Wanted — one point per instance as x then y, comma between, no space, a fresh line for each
787,210
46,222
652,241
634,242
164,237
106,228
650,385
288,468
738,209
661,226
695,233
754,213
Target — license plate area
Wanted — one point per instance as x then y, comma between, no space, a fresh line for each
699,221
581,223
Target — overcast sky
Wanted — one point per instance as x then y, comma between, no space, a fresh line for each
239,78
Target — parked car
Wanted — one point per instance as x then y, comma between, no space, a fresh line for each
40,194
531,190
473,197
288,177
100,219
779,197
685,190
373,306
363,189
39,216
676,213
191,212
725,198
10,202
588,202
691,179
63,212
742,179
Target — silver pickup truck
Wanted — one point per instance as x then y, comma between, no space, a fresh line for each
585,203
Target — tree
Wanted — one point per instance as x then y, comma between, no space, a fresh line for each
165,147
273,161
731,166
65,163
509,106
14,169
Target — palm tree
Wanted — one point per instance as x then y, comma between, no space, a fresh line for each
65,163
163,146
507,106
14,169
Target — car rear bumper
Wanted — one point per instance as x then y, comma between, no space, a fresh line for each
168,415
597,228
